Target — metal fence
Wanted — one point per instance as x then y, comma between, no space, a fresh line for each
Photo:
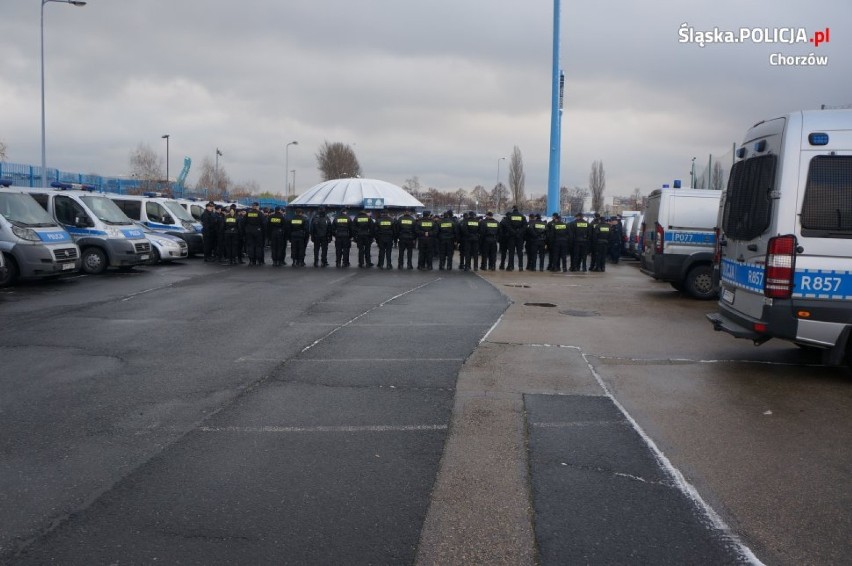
31,176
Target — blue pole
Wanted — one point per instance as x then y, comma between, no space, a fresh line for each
553,204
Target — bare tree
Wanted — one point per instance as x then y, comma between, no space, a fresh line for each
2,151
215,181
412,186
498,195
460,196
146,166
717,182
576,199
517,177
480,197
337,161
597,185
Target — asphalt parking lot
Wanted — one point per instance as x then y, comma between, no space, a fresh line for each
197,413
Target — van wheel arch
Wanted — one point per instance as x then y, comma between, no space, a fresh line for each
699,282
94,260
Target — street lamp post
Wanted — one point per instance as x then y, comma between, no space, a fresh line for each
293,171
43,142
287,168
499,192
692,173
166,137
216,172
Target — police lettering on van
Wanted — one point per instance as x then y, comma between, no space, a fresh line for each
785,260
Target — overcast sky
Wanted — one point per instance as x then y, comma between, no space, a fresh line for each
439,89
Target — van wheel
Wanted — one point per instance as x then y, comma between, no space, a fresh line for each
155,256
699,282
11,271
94,261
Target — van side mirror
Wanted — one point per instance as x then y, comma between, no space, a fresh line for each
83,222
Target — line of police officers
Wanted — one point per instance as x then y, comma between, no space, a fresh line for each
229,233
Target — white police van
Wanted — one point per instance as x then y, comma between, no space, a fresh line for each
164,215
786,257
678,239
32,244
105,235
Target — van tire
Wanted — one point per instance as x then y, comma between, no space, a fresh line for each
94,261
11,271
699,283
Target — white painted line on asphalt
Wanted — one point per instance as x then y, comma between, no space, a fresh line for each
370,360
134,295
680,481
693,361
490,330
344,428
577,424
366,312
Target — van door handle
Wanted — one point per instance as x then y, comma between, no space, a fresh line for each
752,247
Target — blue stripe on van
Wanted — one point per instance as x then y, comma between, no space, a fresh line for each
84,231
54,236
133,233
807,283
690,238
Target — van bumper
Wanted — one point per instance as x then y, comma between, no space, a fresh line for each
43,261
723,324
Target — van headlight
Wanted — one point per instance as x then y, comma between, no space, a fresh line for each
25,233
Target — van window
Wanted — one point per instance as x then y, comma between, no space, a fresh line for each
68,210
748,205
155,212
41,199
827,207
132,208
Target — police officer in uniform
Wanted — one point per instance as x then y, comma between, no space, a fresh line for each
515,238
364,229
341,227
600,240
209,229
447,236
489,230
580,239
537,232
558,239
276,226
469,235
254,228
425,229
406,236
298,237
231,236
321,236
385,232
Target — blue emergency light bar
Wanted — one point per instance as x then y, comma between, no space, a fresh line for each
818,138
5,182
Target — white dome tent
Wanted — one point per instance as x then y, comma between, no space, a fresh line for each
352,193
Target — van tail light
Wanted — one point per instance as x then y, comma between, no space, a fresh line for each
780,267
717,249
661,234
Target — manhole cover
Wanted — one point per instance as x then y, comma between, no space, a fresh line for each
580,313
539,305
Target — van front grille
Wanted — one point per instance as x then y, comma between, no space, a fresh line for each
64,254
143,248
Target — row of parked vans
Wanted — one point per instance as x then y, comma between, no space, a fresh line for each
49,232
775,246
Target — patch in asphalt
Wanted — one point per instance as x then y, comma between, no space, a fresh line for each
601,497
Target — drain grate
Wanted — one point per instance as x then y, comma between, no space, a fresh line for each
539,305
580,313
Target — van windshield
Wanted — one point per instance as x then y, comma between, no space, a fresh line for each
22,210
179,211
106,210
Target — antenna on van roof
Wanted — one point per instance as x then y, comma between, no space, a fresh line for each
840,107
